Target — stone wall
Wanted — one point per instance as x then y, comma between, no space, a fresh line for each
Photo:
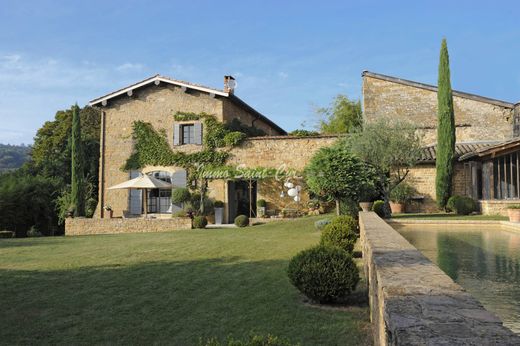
85,226
496,207
422,178
477,118
413,302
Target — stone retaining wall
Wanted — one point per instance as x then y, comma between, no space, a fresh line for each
413,302
85,226
496,206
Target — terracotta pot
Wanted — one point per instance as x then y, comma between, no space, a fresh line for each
397,208
514,215
366,206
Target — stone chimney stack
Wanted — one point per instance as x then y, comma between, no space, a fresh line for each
229,84
516,120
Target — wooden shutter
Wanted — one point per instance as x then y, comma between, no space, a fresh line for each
197,129
135,203
177,134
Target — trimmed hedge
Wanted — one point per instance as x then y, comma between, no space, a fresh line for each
200,222
378,207
6,234
340,232
242,221
461,205
324,274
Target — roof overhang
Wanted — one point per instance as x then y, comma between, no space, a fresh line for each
157,80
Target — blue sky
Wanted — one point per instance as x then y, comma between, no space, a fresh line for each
287,56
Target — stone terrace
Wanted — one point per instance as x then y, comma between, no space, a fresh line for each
413,302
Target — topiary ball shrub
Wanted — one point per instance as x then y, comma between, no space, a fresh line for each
377,208
200,222
461,205
320,224
340,232
218,204
324,274
180,195
6,234
242,221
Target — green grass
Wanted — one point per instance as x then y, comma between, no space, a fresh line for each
165,288
444,216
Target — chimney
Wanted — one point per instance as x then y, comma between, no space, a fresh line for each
516,120
229,84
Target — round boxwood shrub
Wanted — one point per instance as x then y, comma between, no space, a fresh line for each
340,232
320,224
261,203
180,195
200,222
218,204
242,221
377,208
323,273
461,205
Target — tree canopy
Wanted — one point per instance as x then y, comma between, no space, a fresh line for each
391,148
334,173
445,130
341,116
13,156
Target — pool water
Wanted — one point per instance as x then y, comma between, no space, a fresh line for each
486,262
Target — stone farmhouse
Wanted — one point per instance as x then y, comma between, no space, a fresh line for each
487,167
155,100
487,149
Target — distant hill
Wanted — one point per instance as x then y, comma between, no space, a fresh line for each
13,156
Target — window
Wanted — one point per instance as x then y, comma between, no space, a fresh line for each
506,176
188,134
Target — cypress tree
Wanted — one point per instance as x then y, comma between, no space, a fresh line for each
445,130
77,181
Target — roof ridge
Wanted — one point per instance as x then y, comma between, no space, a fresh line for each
431,87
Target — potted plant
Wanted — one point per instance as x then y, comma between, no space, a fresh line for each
261,204
399,196
109,210
219,212
514,212
365,199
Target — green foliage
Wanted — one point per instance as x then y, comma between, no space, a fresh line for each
179,213
320,224
340,232
461,205
379,208
402,193
6,234
180,195
27,201
342,116
218,204
445,130
187,116
514,206
303,133
391,147
334,173
261,203
194,204
200,221
13,156
242,221
253,340
33,232
324,274
232,139
77,183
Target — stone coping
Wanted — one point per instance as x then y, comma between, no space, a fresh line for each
504,225
413,302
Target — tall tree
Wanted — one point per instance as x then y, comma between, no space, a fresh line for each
77,175
342,116
445,130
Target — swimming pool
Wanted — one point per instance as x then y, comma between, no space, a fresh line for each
485,261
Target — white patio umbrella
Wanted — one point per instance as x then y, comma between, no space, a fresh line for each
143,182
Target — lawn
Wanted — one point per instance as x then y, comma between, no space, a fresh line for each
445,216
166,288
